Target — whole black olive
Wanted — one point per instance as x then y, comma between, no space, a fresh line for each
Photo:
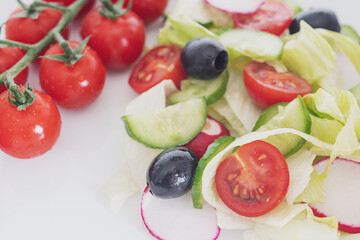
171,173
204,58
316,18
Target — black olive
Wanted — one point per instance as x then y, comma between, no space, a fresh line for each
316,18
172,172
204,58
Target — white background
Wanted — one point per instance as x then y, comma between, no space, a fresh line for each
58,196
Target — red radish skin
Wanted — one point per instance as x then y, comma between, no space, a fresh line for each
203,220
238,6
213,129
341,189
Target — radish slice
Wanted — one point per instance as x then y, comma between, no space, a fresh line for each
236,6
342,194
176,219
212,130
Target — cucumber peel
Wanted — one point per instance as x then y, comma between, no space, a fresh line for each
217,146
296,116
268,114
212,90
172,126
350,32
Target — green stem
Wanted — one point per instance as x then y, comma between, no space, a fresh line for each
16,44
34,49
50,5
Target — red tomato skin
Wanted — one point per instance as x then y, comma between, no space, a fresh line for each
32,132
173,70
272,17
257,165
30,31
86,8
118,42
9,56
75,86
259,79
147,10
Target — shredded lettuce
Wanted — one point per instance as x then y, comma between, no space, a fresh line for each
320,129
181,29
308,54
315,191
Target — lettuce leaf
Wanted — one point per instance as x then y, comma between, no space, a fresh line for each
308,54
181,29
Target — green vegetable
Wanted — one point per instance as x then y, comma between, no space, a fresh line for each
212,90
268,114
350,32
260,46
295,115
217,146
172,126
294,7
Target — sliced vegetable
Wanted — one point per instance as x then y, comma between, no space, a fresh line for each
356,92
295,8
174,220
241,6
268,114
172,126
217,146
212,130
342,193
296,116
171,173
260,46
212,90
272,17
265,86
350,32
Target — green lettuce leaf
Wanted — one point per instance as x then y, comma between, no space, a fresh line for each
181,29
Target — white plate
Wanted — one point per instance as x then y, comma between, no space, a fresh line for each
58,196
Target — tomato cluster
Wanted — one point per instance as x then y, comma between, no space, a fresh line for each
72,78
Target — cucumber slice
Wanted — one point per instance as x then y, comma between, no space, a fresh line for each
212,90
168,127
356,92
260,46
217,146
292,5
296,116
268,114
350,32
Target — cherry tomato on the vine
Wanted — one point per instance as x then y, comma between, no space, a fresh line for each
253,180
273,17
30,31
9,56
118,42
267,87
160,63
148,10
87,7
32,132
73,86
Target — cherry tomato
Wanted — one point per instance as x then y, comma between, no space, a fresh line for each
267,87
31,132
272,17
73,86
148,10
9,56
118,42
253,180
30,31
66,3
160,63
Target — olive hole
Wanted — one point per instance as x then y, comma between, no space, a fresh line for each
221,61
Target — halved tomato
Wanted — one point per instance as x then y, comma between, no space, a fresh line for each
253,180
160,63
267,87
272,17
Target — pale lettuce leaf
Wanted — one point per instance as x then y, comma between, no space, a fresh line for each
320,129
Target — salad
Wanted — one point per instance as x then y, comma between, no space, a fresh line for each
280,124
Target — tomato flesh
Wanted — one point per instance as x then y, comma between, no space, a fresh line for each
160,63
9,56
253,180
267,87
31,132
272,17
